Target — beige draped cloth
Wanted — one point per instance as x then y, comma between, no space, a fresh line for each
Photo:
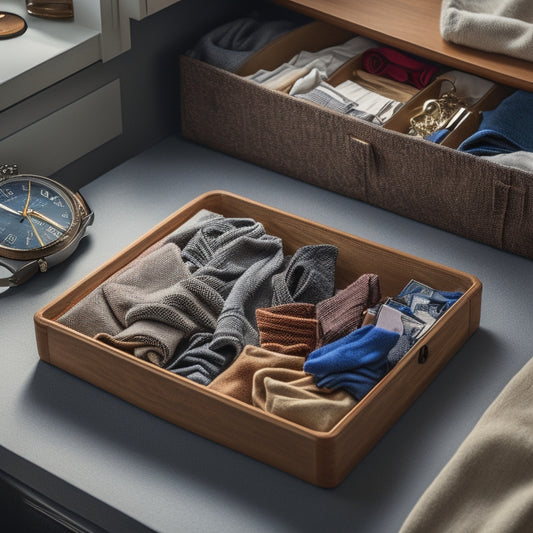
487,486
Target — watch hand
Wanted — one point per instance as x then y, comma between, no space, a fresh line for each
25,210
35,231
18,213
46,219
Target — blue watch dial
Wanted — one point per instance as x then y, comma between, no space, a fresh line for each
35,214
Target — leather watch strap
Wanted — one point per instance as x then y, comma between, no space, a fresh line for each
21,271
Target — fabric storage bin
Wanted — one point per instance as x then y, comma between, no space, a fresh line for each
432,183
323,458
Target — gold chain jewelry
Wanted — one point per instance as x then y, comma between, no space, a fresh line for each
435,113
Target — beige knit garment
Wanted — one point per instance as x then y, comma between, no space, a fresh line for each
293,395
487,486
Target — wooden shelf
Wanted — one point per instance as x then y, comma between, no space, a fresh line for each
414,26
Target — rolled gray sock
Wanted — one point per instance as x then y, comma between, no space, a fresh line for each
309,276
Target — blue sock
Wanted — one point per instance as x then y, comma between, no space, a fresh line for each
365,346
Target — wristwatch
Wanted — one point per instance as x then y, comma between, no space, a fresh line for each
41,224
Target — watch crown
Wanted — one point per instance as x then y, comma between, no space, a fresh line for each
43,265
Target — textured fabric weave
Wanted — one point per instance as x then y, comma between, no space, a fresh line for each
307,69
486,486
239,253
293,395
521,160
149,307
309,276
506,129
393,64
289,328
501,26
287,335
343,313
354,363
327,96
465,195
228,46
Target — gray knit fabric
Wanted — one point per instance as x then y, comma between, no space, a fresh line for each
521,160
240,254
230,44
181,235
501,26
258,275
224,248
148,307
188,303
309,276
156,321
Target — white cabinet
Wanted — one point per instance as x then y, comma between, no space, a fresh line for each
49,50
49,143
52,50
43,125
115,21
149,7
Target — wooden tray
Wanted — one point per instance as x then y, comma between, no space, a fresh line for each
321,458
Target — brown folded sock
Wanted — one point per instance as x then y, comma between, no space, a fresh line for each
287,335
289,328
293,395
237,380
343,313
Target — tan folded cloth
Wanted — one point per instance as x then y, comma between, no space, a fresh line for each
395,90
237,380
293,395
287,335
487,486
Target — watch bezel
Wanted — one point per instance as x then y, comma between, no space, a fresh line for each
78,214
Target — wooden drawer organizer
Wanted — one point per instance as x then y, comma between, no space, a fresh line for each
321,458
434,184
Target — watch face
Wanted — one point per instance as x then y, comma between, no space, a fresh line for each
37,217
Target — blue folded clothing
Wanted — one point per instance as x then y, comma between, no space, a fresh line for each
355,362
505,129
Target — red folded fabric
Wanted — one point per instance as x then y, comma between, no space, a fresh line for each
395,65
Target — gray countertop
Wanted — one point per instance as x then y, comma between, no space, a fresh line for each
125,469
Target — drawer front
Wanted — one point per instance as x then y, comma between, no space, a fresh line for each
274,130
436,185
439,186
52,142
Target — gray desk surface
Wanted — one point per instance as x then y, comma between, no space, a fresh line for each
109,460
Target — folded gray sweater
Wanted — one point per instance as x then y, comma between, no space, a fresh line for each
228,46
500,26
153,303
